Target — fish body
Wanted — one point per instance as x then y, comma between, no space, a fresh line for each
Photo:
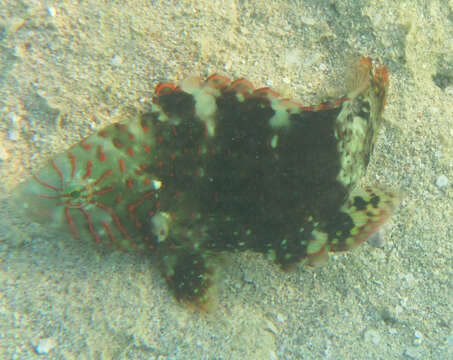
216,166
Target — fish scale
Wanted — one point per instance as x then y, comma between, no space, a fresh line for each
214,166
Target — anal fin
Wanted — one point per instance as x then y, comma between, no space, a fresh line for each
190,276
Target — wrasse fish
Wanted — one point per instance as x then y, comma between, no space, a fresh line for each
214,166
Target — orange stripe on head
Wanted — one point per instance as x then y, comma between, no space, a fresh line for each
104,176
85,146
164,89
93,232
60,174
108,231
71,224
46,185
101,153
217,81
266,93
115,219
242,86
88,173
73,164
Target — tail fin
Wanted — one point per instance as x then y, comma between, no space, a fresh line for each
359,78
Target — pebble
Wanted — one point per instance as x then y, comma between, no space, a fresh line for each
116,61
293,57
377,240
413,353
52,11
418,337
308,20
372,336
13,134
442,181
281,318
271,327
13,117
13,129
46,345
408,280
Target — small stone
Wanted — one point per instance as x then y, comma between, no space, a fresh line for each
92,125
271,327
442,181
52,11
13,134
46,345
408,280
372,336
418,337
293,57
308,20
116,61
377,240
14,119
413,353
393,331
281,318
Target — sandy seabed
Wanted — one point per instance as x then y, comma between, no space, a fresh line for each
66,68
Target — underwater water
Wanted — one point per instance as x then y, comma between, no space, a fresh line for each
70,71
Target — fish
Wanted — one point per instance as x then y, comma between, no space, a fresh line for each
214,166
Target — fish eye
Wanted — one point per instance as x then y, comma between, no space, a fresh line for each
75,194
